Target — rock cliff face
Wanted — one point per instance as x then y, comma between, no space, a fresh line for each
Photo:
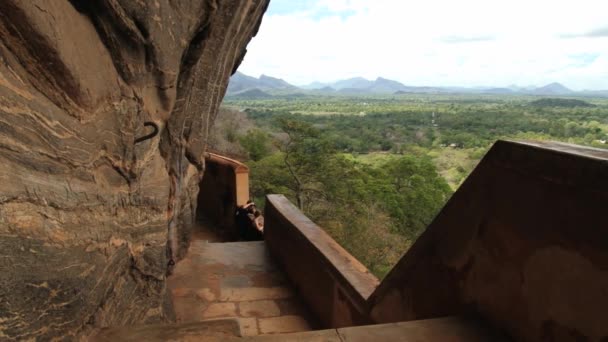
90,220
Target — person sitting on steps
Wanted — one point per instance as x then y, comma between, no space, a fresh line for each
250,222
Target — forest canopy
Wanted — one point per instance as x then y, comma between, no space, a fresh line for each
373,171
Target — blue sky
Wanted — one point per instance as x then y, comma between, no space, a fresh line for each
435,42
312,7
282,7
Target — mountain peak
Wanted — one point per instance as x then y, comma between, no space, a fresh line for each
553,88
380,85
557,85
240,82
263,76
358,78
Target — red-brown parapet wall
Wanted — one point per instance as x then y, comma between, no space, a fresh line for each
523,243
225,185
234,164
333,283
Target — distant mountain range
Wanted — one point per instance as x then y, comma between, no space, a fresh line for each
254,93
242,85
240,82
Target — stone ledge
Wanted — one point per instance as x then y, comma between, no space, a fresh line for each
453,329
211,331
333,282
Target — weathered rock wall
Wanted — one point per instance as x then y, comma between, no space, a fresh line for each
89,220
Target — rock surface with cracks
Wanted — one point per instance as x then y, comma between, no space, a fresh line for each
90,220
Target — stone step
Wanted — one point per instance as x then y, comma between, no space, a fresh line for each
236,280
447,329
211,330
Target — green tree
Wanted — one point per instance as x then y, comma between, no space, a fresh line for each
413,193
306,155
257,144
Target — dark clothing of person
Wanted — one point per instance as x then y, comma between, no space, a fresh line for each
245,221
242,222
253,234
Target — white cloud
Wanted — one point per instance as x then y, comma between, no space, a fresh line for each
435,42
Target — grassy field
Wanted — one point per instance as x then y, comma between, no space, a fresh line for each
453,164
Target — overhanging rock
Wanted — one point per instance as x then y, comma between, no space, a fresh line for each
89,220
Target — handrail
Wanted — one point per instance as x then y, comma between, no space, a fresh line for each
151,134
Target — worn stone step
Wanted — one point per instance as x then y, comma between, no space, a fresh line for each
210,330
447,329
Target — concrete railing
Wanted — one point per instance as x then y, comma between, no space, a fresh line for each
333,283
523,244
225,185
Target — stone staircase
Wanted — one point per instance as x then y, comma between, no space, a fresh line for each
239,281
233,291
497,249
